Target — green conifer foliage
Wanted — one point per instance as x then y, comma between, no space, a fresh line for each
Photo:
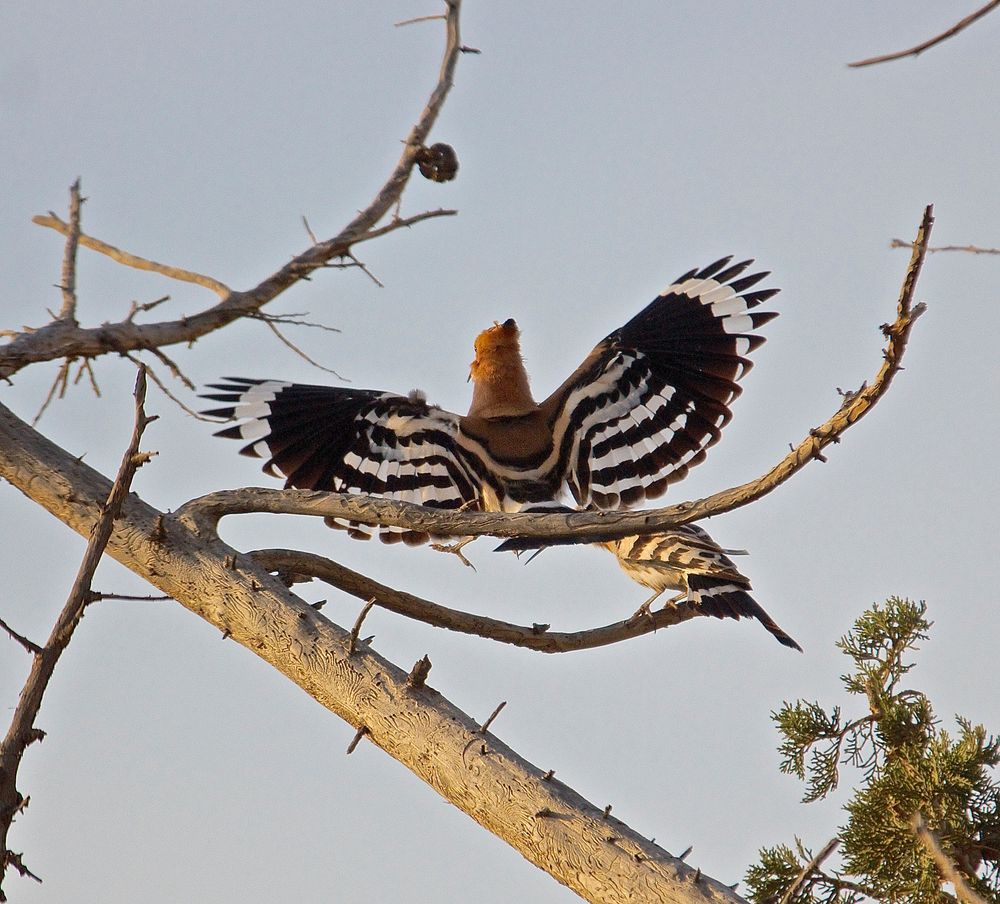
907,764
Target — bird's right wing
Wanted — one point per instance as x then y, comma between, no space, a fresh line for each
654,395
351,441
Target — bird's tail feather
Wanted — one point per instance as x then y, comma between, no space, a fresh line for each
723,598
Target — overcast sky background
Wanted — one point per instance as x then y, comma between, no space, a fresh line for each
603,153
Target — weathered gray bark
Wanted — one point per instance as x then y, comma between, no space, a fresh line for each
599,857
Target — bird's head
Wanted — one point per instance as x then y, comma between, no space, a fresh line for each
494,346
501,382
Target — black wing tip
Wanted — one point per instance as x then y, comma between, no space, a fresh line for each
787,641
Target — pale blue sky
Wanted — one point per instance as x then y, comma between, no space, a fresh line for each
603,153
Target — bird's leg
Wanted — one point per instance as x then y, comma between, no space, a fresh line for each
455,549
644,611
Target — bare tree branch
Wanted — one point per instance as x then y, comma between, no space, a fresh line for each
970,249
128,259
599,857
22,731
68,282
589,526
937,39
64,339
531,637
21,639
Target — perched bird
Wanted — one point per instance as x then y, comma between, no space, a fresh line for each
684,558
642,408
687,559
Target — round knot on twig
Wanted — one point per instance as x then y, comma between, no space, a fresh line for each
439,162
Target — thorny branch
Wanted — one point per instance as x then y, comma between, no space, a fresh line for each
531,637
68,282
22,731
590,526
63,338
969,249
930,42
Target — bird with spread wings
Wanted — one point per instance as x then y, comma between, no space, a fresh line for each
640,411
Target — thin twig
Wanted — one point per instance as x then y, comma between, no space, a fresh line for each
365,270
362,731
67,312
128,259
309,232
949,871
59,385
418,19
358,622
969,249
174,369
486,725
136,308
920,48
295,320
162,386
22,731
803,877
97,596
21,639
284,340
87,368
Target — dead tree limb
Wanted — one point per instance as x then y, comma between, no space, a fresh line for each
551,825
63,338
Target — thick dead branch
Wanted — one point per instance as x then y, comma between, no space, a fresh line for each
64,339
494,785
930,42
590,527
22,731
402,603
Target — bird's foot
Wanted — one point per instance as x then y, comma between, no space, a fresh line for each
455,549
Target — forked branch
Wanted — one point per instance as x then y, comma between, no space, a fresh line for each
63,338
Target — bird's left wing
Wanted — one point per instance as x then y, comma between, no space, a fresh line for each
653,396
351,441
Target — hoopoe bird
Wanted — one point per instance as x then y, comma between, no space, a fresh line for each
684,558
634,417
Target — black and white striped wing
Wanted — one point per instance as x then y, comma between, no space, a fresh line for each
655,394
350,441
